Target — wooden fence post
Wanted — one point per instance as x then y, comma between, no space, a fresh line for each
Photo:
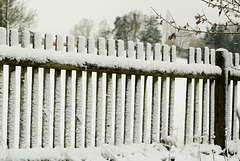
222,101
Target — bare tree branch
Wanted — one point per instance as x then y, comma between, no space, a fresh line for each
228,8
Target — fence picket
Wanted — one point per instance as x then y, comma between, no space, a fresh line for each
157,55
58,111
25,110
48,42
26,95
37,40
120,99
80,109
139,99
46,142
91,99
81,43
48,99
70,110
130,96
171,95
101,98
155,129
188,111
26,39
59,96
164,107
111,95
80,99
13,37
12,126
212,102
70,44
205,108
70,99
148,100
13,103
196,113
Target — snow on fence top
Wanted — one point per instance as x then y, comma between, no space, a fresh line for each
103,58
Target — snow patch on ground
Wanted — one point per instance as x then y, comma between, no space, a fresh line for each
132,152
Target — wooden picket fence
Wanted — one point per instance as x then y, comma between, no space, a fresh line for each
89,93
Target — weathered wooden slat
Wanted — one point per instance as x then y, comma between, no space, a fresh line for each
48,42
155,127
48,99
129,96
205,108
80,109
69,111
111,98
12,129
13,37
37,105
139,100
196,113
101,98
81,42
120,99
25,108
26,39
164,97
212,102
171,95
188,111
46,140
81,89
70,99
58,111
148,100
37,99
90,121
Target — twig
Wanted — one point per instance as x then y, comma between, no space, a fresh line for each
200,19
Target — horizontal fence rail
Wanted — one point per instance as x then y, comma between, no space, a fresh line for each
58,92
85,61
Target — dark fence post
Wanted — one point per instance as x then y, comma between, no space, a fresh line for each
223,60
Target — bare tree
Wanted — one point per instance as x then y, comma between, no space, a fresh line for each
83,28
229,8
104,30
14,14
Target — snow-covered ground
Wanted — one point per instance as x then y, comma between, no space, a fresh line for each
133,152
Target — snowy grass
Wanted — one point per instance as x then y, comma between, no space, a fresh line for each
132,152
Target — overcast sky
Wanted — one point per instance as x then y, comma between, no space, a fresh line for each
59,16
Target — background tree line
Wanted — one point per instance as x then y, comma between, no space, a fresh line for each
133,26
137,27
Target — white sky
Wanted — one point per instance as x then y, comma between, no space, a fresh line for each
59,16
